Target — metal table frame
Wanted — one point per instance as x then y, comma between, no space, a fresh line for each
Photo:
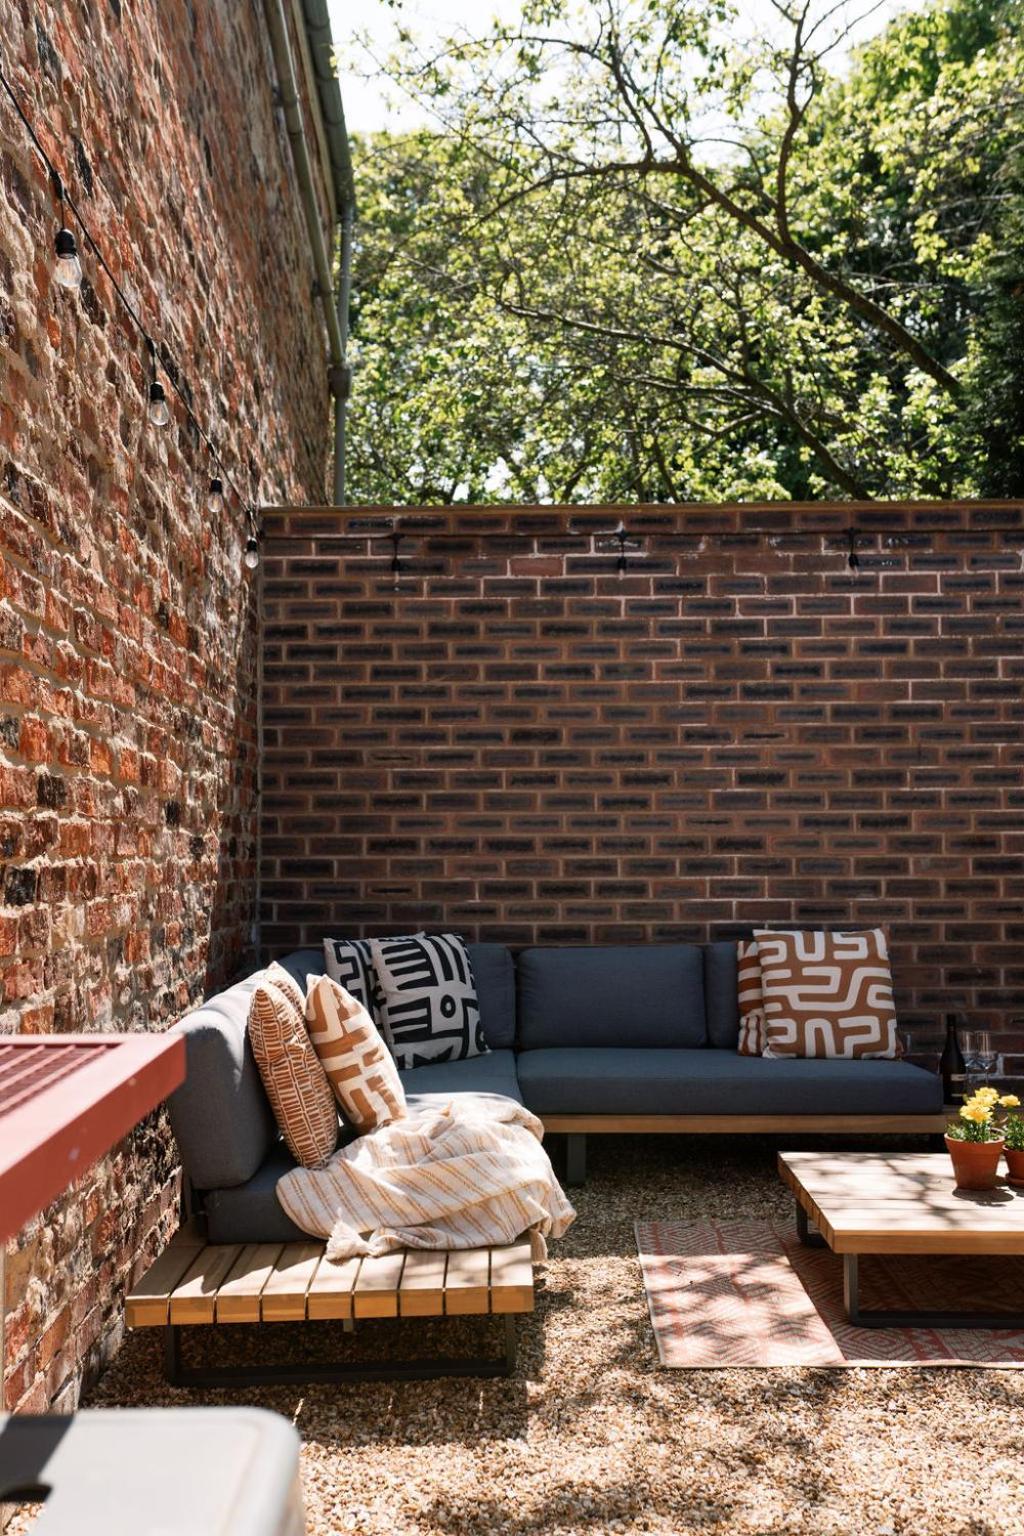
875,1317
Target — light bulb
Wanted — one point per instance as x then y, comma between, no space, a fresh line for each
67,269
215,496
252,552
159,413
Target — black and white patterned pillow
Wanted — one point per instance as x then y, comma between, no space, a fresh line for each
349,962
429,1005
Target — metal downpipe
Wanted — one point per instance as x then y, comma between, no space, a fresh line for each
343,386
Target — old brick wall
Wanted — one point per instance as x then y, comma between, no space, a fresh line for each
127,624
522,744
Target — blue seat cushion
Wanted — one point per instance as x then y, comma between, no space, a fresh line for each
493,1073
252,1213
649,995
659,1082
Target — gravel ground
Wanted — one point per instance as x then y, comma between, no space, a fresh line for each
593,1436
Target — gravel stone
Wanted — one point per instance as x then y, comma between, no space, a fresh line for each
593,1436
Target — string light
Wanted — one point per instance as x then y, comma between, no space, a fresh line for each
252,552
396,563
66,269
852,558
159,410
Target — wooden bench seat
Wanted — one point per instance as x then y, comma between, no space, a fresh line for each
198,1283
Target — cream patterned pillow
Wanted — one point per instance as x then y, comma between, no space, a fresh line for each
430,1011
750,998
296,1083
357,1062
349,962
827,994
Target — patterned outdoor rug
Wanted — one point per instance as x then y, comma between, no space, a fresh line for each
748,1293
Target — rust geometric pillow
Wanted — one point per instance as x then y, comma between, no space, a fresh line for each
750,999
290,1069
358,1064
827,994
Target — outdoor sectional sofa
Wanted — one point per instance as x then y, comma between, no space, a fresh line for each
617,1039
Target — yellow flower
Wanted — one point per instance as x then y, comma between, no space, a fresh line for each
984,1096
1010,1101
977,1113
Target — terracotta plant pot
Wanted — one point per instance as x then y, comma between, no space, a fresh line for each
1015,1163
975,1163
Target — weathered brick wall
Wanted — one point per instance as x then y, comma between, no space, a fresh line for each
127,625
521,744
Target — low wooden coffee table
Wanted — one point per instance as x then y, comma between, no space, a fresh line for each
903,1202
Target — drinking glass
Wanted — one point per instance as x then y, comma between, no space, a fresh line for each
981,1058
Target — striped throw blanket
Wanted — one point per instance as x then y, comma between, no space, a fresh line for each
456,1173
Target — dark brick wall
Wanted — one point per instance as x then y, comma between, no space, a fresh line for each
127,626
522,744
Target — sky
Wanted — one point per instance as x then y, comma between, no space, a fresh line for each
367,103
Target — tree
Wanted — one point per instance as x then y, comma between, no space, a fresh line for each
644,262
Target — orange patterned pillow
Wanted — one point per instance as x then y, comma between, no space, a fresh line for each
358,1064
296,1084
750,998
827,994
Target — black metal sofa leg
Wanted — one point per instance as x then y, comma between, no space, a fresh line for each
180,1375
576,1158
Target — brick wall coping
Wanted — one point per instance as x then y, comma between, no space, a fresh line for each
693,519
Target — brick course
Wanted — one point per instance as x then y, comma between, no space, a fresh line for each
127,626
523,744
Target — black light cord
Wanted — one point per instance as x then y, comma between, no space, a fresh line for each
172,372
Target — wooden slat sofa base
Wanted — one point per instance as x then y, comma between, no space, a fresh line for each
576,1128
195,1283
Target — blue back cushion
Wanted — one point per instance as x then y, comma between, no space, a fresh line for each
643,995
720,993
495,979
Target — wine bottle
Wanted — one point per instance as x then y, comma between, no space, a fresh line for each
951,1063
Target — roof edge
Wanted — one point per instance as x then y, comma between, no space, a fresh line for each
321,46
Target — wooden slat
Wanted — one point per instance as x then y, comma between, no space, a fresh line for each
901,1203
512,1279
147,1304
422,1290
784,1125
238,1300
375,1293
467,1282
330,1290
193,1282
283,1299
194,1299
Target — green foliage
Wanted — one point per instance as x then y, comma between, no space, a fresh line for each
996,352
970,1130
1013,1133
575,291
